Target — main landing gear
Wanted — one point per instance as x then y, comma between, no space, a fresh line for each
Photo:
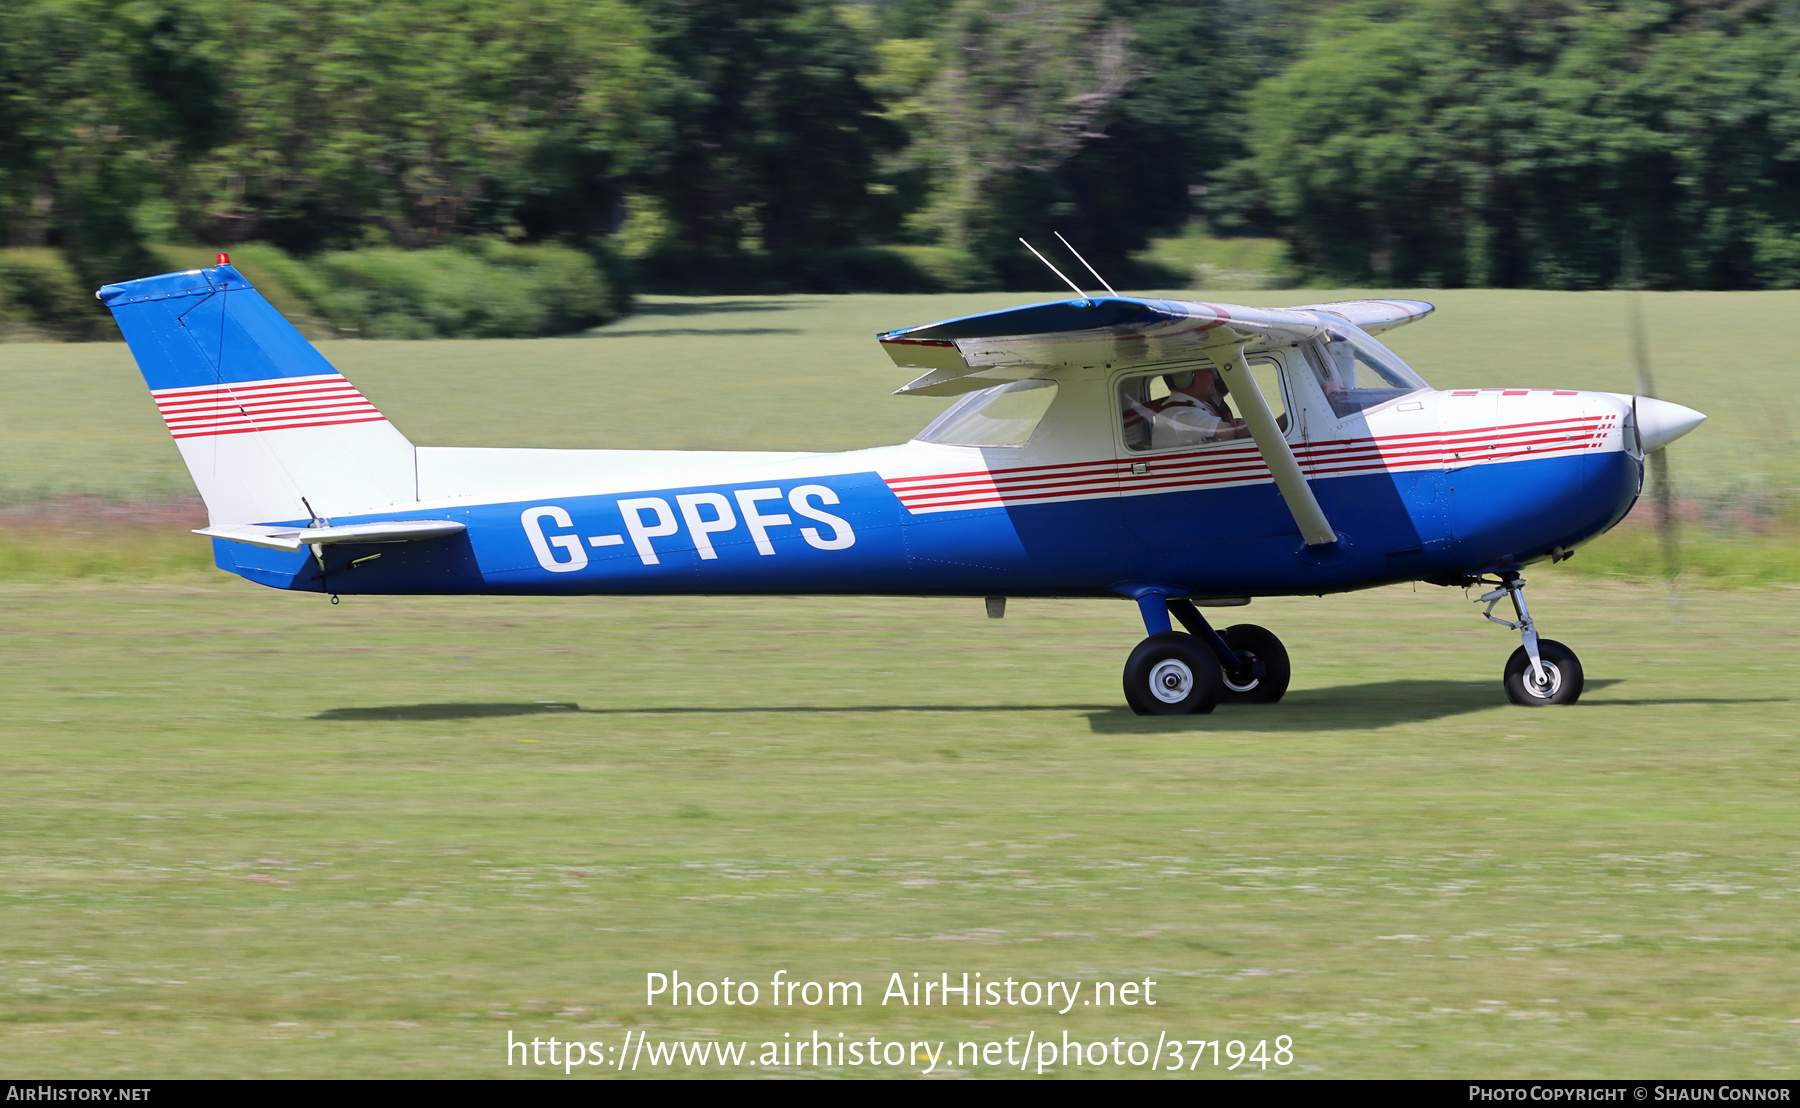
1541,671
1174,674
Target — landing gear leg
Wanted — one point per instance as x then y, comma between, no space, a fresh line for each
1170,673
1255,663
1542,671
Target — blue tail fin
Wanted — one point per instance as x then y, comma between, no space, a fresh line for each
264,422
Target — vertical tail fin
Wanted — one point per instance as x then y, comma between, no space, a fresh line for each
264,423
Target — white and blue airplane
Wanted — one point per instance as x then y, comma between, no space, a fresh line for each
1179,455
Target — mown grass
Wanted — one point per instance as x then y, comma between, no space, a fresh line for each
1703,556
76,552
82,538
249,834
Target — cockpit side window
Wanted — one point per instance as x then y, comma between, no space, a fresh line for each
1356,372
1004,415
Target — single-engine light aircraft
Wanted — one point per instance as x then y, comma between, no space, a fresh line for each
1179,455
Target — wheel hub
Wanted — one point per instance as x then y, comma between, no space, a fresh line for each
1171,680
1549,686
1243,680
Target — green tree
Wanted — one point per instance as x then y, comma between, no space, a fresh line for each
1513,143
774,135
414,121
1101,122
99,99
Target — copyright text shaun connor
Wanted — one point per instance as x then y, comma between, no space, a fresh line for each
1649,1092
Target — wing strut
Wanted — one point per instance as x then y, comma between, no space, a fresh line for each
1229,356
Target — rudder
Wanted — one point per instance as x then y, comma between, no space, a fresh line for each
265,424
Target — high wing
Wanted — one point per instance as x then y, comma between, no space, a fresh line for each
979,351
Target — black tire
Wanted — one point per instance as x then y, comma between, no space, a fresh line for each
1269,673
1172,674
1561,666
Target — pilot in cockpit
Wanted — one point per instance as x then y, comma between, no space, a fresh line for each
1195,411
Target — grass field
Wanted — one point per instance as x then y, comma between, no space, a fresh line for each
249,834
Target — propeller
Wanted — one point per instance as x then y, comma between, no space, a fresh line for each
1656,459
1656,423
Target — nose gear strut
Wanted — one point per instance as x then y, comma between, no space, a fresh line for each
1512,585
1542,671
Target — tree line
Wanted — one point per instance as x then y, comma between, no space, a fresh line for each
696,143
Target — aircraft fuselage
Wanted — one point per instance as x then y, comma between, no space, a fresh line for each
1458,483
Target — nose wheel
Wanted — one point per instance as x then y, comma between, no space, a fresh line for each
1558,680
1541,672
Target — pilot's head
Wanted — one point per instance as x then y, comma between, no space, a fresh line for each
1203,382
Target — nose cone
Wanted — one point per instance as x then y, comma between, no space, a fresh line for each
1660,423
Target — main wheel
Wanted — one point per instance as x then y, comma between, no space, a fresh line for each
1562,676
1172,674
1265,678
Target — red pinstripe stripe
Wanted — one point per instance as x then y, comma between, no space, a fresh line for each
1317,460
284,412
287,404
1310,449
285,427
1332,458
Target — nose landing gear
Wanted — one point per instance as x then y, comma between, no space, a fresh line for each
1540,672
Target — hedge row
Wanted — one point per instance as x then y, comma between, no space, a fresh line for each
485,288
477,289
42,297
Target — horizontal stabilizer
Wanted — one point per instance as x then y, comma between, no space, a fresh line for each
293,538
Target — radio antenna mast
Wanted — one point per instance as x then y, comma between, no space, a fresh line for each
1084,261
1054,270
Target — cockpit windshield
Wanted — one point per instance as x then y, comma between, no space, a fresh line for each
1004,415
1359,372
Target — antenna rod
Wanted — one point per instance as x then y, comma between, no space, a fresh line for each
1054,270
1085,262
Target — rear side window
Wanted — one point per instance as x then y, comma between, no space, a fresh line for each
1005,415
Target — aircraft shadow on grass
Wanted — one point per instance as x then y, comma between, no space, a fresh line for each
1345,707
1368,707
1363,707
410,712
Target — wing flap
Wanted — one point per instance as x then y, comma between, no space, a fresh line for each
293,538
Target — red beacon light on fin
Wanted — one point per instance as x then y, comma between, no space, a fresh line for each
224,258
